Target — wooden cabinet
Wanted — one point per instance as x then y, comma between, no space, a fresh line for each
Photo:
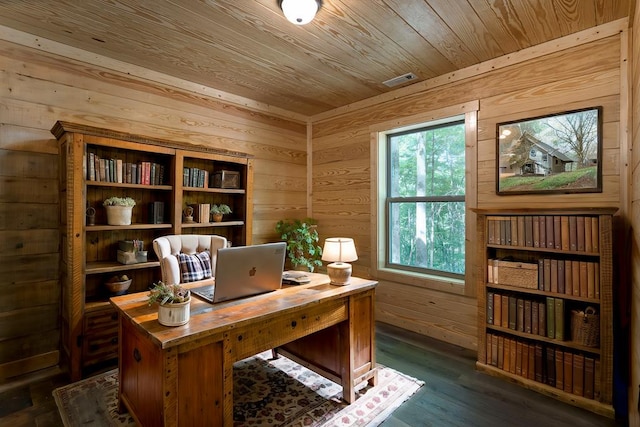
545,302
97,164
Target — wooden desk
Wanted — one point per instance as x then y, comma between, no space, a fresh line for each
184,375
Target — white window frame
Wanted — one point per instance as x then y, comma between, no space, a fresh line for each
467,111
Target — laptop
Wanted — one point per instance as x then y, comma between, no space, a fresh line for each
243,271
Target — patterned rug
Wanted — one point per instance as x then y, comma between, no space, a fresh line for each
266,392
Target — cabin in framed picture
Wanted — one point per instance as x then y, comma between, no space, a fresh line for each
382,121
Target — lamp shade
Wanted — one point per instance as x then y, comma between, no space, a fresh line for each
339,249
300,12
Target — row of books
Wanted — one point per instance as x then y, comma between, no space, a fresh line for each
563,232
116,170
567,277
195,177
545,317
572,372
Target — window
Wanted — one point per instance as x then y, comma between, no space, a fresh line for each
425,199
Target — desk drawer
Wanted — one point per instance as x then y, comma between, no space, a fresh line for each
283,329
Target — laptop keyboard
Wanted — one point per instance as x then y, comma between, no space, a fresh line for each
204,292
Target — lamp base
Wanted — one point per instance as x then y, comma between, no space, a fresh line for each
339,273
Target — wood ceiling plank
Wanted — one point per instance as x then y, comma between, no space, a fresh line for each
539,19
429,25
575,15
463,20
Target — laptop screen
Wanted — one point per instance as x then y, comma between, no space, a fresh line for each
243,271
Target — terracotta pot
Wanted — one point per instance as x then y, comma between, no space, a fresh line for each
217,217
174,314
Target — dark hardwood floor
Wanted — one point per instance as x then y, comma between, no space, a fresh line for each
455,394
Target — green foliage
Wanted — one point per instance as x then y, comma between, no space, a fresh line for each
167,294
427,213
549,182
119,201
302,239
220,209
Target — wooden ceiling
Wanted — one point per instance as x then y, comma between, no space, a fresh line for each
247,47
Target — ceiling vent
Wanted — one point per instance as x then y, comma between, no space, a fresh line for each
400,80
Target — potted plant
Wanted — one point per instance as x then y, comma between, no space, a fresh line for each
173,303
301,236
217,211
119,210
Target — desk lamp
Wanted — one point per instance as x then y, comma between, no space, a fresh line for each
339,251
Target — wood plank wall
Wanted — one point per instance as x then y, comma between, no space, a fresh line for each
39,88
634,388
565,75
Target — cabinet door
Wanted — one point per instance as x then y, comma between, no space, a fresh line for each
142,376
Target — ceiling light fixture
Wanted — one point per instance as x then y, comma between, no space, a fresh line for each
300,12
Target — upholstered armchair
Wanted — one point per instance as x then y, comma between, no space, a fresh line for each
188,257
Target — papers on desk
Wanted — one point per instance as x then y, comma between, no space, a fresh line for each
295,278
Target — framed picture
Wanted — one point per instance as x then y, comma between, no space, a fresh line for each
557,153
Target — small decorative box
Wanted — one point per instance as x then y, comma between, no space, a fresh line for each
226,179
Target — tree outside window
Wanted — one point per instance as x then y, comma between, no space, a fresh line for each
425,201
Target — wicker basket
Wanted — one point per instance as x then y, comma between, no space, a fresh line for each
585,327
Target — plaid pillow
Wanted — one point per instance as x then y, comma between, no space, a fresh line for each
194,267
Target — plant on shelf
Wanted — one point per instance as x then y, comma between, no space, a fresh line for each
217,211
173,303
119,201
301,237
168,294
119,210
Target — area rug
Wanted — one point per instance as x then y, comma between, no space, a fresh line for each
267,392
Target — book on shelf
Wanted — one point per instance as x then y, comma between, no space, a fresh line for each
539,362
536,231
578,374
527,316
596,273
564,232
573,234
521,232
119,171
559,316
550,366
513,355
505,311
513,308
595,234
497,309
528,230
541,274
591,280
542,319
561,276
557,232
588,246
583,279
506,357
542,224
550,232
520,314
568,277
535,323
559,359
580,233
501,352
568,372
490,308
494,350
513,222
554,275
575,274
551,323
589,372
531,372
547,274
518,369
488,350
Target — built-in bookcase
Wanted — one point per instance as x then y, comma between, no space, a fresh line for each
545,302
97,164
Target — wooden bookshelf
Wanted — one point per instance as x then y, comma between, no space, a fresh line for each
100,163
531,341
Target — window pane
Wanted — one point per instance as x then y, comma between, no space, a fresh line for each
427,162
427,235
